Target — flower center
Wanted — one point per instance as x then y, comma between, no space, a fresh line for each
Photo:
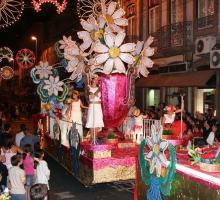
25,58
100,34
92,34
137,59
109,19
156,149
80,58
53,85
114,52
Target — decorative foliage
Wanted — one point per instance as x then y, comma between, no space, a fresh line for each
10,12
25,58
5,52
60,7
7,72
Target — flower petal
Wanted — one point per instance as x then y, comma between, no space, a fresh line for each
153,164
108,66
115,28
101,58
148,62
60,83
72,63
47,82
148,52
83,34
102,22
163,145
127,47
121,22
149,155
46,87
59,88
119,39
158,167
142,69
86,44
111,8
139,47
162,158
148,42
127,58
56,80
118,13
51,78
93,22
101,48
119,65
149,142
45,74
55,91
154,134
72,51
109,39
86,25
50,91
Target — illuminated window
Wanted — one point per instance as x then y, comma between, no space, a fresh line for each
153,19
176,11
205,8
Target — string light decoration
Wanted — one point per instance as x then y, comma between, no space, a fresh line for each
7,53
85,8
25,58
60,7
7,72
10,12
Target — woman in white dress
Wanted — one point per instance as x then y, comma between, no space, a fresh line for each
74,112
95,115
169,117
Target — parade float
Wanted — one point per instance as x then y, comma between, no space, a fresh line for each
117,64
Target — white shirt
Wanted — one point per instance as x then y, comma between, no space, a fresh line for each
211,138
18,138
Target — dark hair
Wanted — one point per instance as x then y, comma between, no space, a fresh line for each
39,153
15,159
26,131
27,149
22,127
38,191
8,141
7,126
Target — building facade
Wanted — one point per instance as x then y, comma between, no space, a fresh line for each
185,33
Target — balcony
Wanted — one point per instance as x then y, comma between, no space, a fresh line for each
205,22
175,35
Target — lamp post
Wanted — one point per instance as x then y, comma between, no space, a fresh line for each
34,38
13,79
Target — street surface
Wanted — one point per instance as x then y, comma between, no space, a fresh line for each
64,186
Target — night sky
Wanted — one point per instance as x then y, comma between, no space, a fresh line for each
10,35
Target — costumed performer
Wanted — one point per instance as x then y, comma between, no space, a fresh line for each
169,117
95,115
137,130
74,112
129,121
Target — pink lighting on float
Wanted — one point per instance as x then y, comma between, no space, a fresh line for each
60,7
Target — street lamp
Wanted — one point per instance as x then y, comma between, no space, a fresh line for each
34,38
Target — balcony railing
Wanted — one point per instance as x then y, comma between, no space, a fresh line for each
173,35
205,22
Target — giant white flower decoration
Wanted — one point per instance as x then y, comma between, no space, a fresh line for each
156,153
113,53
53,85
67,42
142,62
113,17
43,70
76,63
90,35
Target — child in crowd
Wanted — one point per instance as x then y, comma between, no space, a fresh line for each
43,173
28,163
18,178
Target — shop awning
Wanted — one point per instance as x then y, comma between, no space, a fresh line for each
188,79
